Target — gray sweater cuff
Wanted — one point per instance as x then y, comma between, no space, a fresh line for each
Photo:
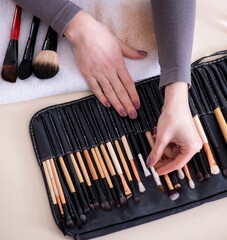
63,17
56,13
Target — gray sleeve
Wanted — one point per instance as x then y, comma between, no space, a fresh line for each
174,27
56,13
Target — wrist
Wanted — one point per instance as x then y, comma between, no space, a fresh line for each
76,26
176,94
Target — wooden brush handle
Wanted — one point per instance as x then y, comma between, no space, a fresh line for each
66,174
200,129
95,157
209,154
15,31
187,173
168,182
103,166
49,183
221,122
76,168
107,160
123,161
90,165
83,168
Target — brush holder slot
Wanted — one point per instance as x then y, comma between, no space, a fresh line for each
74,134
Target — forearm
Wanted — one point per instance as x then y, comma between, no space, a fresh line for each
174,28
56,13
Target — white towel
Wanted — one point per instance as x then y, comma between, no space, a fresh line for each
131,21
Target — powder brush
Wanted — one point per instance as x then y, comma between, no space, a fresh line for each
46,63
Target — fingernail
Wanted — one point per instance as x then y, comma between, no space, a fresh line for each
136,105
107,104
123,112
155,130
133,114
142,53
150,161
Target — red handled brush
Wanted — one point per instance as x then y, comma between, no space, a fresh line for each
10,63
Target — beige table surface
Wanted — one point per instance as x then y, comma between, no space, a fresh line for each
24,208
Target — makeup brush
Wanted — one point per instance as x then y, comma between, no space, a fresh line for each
199,174
46,64
75,145
173,194
188,175
214,104
25,67
10,63
174,180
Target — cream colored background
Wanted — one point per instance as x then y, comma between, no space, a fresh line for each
24,208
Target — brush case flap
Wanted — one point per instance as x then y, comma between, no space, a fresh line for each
60,130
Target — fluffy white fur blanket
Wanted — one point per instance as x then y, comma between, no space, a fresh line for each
131,21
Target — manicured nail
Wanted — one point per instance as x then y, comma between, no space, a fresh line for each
155,130
133,114
123,112
107,104
142,53
136,105
150,161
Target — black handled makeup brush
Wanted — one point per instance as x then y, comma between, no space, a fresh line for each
10,63
46,64
25,67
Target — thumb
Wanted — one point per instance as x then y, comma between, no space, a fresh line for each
131,52
156,152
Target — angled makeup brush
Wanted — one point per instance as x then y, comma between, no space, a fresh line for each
25,67
10,63
46,64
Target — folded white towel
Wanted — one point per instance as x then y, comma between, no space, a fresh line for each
131,21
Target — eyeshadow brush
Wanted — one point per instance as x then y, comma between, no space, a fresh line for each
92,143
25,67
199,107
93,116
99,141
10,63
75,144
215,105
54,138
104,203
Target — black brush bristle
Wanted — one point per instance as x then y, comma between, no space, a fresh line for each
46,64
123,200
199,176
224,172
10,63
25,69
106,206
9,73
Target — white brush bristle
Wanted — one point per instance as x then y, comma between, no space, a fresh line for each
180,174
215,170
174,195
191,184
141,187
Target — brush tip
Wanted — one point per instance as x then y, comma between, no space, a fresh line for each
123,200
112,203
46,64
92,207
191,184
87,210
161,188
106,206
177,186
141,187
173,195
69,223
9,73
25,69
96,205
180,174
136,199
207,176
199,176
224,172
83,218
215,170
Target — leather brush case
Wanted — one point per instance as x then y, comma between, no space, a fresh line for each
63,130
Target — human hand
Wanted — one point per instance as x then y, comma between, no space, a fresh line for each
100,59
175,129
